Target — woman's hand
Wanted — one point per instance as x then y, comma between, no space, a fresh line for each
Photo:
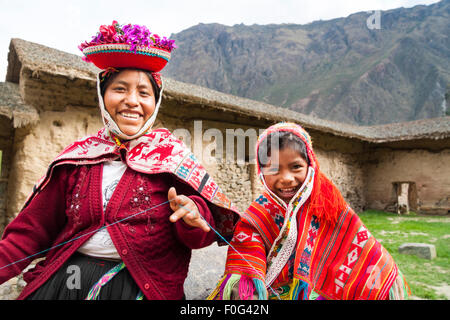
186,209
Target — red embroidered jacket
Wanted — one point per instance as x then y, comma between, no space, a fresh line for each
69,210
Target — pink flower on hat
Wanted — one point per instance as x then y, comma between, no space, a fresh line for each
134,35
109,32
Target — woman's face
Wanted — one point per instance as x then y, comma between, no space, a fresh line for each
130,100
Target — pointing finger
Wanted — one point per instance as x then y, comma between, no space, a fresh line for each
180,210
176,201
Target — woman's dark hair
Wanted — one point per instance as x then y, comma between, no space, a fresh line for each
280,140
106,81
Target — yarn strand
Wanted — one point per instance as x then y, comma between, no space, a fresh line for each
231,246
94,293
122,265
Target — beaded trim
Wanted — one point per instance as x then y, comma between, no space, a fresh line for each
126,48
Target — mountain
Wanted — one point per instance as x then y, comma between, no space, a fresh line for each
360,69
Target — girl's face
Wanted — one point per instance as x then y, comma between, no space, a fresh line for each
130,100
285,173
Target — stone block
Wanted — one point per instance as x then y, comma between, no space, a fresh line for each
422,250
205,270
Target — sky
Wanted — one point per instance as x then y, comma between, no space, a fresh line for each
65,24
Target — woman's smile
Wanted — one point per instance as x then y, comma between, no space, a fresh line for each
130,115
130,100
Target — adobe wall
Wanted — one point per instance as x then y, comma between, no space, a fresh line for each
67,111
346,172
428,171
35,147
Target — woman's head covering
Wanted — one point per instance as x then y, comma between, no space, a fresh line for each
117,47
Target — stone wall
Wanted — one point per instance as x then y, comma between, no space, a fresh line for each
428,171
346,172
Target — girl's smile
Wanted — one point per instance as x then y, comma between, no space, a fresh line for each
285,173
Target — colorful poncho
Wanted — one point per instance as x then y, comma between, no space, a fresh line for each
314,247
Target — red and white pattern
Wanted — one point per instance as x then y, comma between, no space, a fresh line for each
241,236
354,252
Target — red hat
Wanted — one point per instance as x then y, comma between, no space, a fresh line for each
128,46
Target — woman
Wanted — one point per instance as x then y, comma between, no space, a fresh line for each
117,213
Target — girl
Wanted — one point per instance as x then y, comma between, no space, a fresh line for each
299,239
117,213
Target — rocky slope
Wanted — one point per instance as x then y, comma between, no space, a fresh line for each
345,69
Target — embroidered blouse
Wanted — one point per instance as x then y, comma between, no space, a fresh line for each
100,244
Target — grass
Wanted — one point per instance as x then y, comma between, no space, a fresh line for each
423,276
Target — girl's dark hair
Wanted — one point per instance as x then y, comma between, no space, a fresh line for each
281,140
106,81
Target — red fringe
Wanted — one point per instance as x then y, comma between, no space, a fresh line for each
326,199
